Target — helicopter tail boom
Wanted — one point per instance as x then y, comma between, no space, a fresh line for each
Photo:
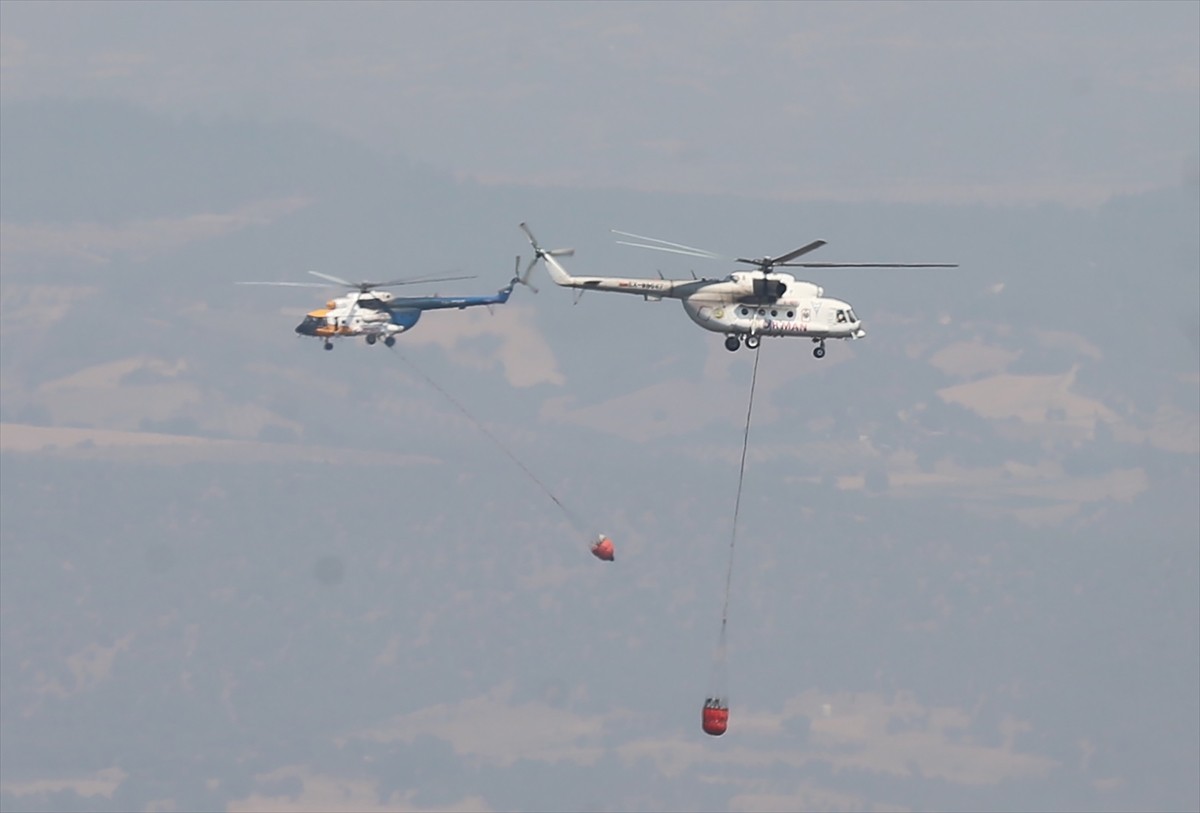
649,288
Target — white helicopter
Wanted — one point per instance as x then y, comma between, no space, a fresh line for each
745,305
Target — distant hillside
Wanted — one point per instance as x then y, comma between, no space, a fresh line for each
240,571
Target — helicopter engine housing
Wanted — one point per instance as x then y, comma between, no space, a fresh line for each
769,289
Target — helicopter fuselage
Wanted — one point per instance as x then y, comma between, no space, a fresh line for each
380,315
816,317
744,305
330,322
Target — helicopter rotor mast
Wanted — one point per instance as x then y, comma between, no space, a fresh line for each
765,264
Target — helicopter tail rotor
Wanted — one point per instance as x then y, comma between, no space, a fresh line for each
524,278
539,252
556,271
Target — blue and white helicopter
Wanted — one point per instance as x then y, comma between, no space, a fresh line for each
376,314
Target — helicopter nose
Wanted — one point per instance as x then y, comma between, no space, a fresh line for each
859,331
304,329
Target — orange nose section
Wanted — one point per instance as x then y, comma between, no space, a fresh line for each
604,549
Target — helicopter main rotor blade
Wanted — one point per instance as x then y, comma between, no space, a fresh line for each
699,252
366,286
705,255
288,284
791,255
870,265
410,281
782,259
332,278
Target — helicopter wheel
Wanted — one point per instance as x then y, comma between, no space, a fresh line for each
752,342
390,341
819,350
371,339
732,343
328,345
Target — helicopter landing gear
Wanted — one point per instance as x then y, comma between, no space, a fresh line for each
328,345
752,342
390,341
819,350
371,338
732,343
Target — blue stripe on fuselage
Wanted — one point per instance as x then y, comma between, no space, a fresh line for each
405,318
433,303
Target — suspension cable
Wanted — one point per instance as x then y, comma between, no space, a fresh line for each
737,503
571,518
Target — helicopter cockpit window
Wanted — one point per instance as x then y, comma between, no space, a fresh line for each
850,314
841,316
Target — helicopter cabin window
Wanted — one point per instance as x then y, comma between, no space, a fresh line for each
841,316
745,312
774,313
791,314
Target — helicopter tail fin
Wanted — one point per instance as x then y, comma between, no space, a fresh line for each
557,272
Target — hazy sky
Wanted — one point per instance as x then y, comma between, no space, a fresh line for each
240,573
899,101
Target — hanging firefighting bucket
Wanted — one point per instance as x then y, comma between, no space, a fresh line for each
604,549
714,719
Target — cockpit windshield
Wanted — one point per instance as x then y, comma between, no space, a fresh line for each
310,324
